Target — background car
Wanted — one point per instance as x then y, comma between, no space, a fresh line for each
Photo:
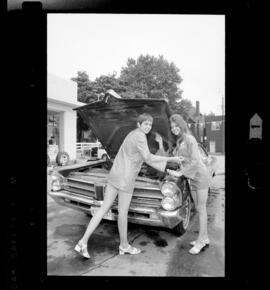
102,154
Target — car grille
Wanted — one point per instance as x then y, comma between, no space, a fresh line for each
80,186
141,201
145,194
146,197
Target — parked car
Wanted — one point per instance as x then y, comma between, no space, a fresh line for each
158,199
95,150
102,153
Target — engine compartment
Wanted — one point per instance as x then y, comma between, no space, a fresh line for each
146,170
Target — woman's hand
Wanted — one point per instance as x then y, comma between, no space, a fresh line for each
174,173
158,138
177,159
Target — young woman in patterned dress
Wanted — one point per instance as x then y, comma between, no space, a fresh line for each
193,168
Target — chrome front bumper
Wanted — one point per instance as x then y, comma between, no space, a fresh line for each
137,214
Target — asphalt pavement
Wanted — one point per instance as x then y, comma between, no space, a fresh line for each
163,253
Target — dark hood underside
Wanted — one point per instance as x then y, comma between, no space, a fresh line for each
113,118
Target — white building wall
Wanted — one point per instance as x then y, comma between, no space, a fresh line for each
70,133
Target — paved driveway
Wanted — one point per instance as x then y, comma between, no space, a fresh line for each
163,253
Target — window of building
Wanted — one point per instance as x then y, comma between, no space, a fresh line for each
215,125
53,128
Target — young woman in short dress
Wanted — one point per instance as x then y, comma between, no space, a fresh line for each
121,181
193,168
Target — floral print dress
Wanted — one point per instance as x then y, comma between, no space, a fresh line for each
193,166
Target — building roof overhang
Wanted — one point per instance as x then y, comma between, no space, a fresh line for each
68,104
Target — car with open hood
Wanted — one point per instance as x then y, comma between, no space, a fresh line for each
158,199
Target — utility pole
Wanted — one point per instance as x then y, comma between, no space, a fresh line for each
204,132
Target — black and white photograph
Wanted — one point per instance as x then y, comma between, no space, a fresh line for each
113,127
135,145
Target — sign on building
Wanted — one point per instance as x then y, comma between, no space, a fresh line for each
255,127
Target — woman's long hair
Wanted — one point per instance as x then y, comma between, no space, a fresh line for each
182,124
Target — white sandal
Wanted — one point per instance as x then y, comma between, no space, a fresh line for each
129,250
197,248
82,250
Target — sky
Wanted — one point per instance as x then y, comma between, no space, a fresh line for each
101,44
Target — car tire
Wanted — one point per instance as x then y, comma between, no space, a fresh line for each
62,158
181,228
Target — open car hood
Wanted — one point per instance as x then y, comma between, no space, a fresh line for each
112,118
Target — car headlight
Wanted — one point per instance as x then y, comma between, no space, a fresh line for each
169,189
57,183
170,203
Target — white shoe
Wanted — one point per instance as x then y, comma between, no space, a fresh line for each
129,250
82,249
197,248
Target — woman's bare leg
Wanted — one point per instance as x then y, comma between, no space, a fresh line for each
109,198
124,200
201,208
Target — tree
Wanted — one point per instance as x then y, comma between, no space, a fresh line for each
85,92
151,77
90,91
104,83
146,77
184,108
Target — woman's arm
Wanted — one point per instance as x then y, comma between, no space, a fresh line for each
161,151
151,159
190,166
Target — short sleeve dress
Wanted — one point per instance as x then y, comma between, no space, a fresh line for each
193,166
129,159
